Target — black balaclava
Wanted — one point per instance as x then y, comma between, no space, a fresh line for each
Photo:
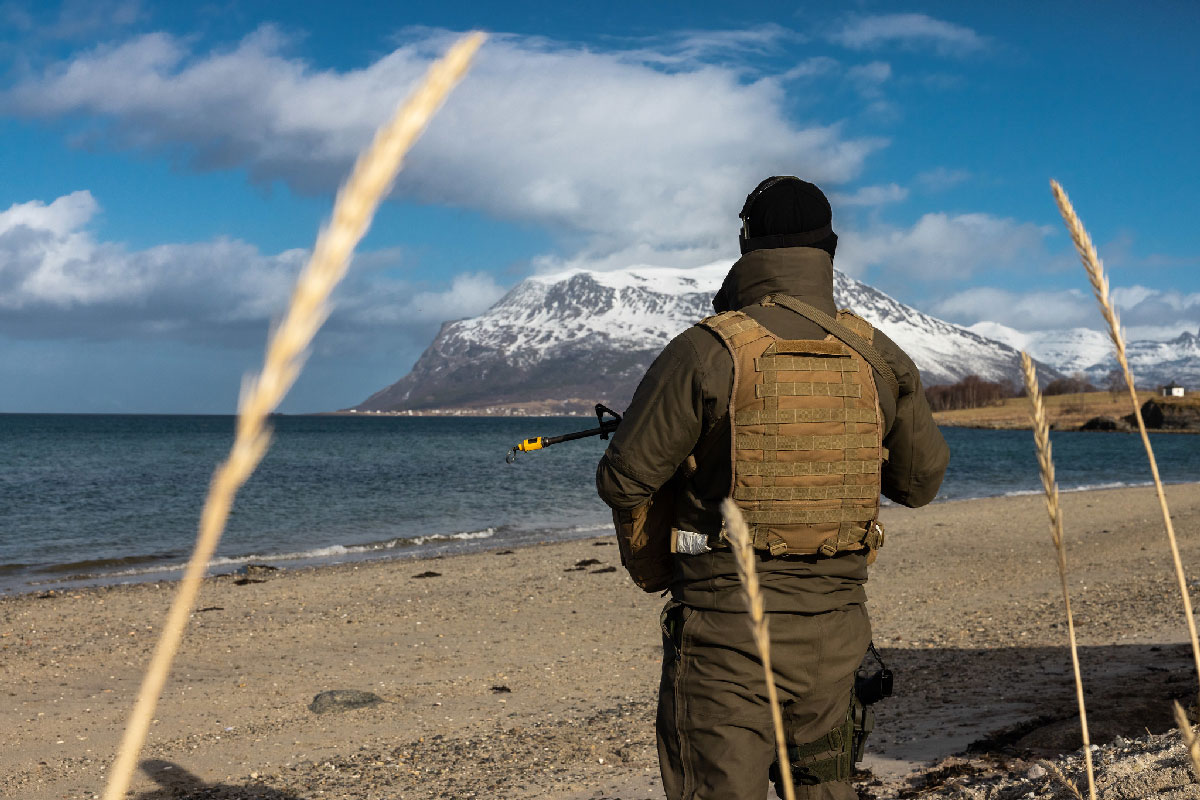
784,211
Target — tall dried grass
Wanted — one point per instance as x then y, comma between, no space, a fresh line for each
743,551
1041,435
353,211
1058,775
1189,738
1095,270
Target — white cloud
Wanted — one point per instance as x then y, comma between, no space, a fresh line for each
942,178
57,280
873,72
693,47
60,217
1025,311
644,254
608,147
812,67
469,294
910,31
870,74
941,246
76,19
870,196
1146,313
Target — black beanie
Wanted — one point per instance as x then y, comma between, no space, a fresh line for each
784,211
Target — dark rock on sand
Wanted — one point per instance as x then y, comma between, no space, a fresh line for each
1103,423
342,700
428,574
1168,414
257,570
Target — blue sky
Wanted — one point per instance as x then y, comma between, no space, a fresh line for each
164,168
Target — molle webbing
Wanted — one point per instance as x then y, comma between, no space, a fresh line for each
806,415
865,492
806,433
812,515
808,389
789,469
843,332
732,327
816,347
839,441
776,363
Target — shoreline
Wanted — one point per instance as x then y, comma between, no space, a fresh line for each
54,581
999,426
532,671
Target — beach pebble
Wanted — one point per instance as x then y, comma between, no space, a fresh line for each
342,700
257,569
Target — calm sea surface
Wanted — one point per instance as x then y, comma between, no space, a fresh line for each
89,499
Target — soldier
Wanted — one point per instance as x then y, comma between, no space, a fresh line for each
802,414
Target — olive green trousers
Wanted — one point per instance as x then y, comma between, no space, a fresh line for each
715,736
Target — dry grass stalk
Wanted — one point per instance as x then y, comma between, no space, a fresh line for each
739,540
1189,738
1041,435
1053,769
1095,270
356,202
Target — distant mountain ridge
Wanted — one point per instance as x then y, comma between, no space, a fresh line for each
1153,363
564,342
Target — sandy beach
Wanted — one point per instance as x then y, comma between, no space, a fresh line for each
533,672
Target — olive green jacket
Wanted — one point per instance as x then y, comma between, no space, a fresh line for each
681,408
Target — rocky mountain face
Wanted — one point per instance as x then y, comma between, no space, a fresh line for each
561,343
1153,363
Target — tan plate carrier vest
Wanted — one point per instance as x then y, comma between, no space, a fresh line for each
806,432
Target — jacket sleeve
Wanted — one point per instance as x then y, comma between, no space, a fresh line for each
918,455
658,431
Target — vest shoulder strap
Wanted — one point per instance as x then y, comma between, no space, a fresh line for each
734,328
844,332
857,324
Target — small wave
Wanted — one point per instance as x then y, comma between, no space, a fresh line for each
1083,487
318,553
91,565
1087,487
606,526
486,533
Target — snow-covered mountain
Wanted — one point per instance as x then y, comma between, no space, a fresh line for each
1089,351
567,341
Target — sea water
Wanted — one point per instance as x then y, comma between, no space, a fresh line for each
101,498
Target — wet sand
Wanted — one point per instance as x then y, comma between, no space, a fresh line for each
521,674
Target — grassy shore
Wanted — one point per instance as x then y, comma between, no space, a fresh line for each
1064,411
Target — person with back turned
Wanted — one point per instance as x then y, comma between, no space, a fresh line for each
802,414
